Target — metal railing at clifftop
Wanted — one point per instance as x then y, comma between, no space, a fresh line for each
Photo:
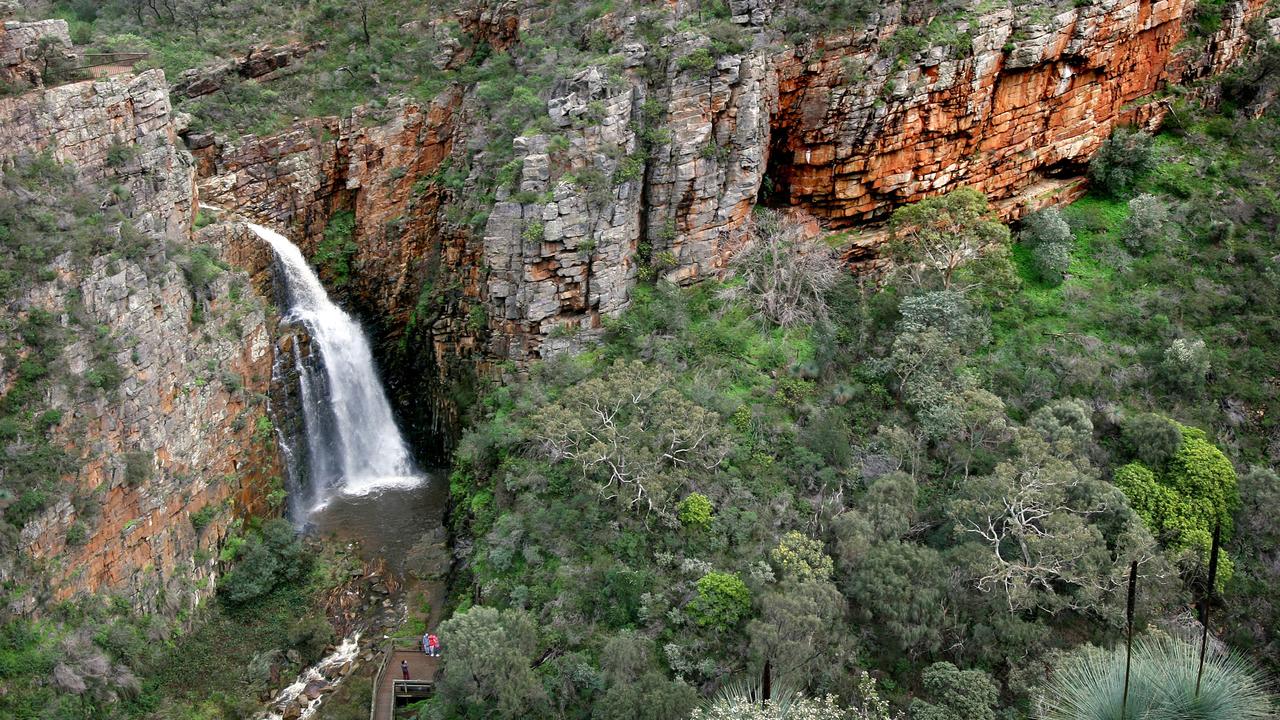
121,59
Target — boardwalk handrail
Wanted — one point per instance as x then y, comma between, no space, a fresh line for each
413,688
388,648
403,643
377,680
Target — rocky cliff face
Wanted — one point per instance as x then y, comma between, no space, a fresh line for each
83,123
22,59
164,459
1029,101
415,278
651,163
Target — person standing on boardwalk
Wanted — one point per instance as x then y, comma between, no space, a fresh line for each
433,645
404,669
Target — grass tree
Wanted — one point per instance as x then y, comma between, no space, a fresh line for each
1162,685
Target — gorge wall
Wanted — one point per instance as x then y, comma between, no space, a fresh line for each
651,163
646,165
166,458
1030,102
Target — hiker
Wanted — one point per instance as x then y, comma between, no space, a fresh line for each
404,669
433,645
426,643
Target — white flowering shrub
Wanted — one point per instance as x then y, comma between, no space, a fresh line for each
1186,363
741,702
1147,227
1049,237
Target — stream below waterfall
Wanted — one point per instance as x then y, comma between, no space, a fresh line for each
353,477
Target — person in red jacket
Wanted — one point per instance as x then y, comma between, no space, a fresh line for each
433,645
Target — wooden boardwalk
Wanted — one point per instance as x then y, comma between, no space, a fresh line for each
421,669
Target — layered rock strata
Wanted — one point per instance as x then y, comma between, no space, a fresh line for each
857,132
167,463
118,129
653,162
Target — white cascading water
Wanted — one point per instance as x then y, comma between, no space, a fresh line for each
327,673
353,444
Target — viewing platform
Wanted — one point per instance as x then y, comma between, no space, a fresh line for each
390,689
106,64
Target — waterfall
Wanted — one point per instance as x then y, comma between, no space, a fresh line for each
353,444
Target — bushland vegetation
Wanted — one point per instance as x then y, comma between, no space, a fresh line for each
941,479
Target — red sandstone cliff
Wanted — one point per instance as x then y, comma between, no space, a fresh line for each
1005,118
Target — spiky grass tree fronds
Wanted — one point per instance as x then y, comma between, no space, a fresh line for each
1090,687
1231,686
738,697
1161,687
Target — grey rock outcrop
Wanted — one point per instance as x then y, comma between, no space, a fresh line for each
21,56
181,436
118,129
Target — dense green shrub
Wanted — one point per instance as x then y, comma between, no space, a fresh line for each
1153,501
955,694
139,466
266,559
201,518
120,153
489,655
1201,471
337,249
800,558
1152,438
930,240
77,534
1124,159
722,602
695,510
200,265
311,635
1186,497
1050,240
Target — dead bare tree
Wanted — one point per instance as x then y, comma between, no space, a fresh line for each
785,274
